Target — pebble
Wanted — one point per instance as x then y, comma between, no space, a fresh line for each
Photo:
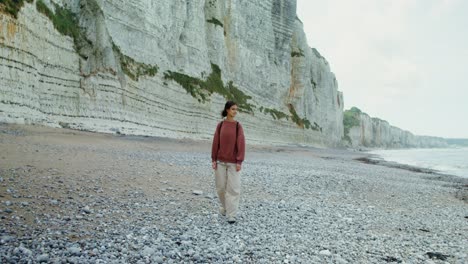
158,259
147,251
24,251
6,239
43,258
86,210
74,251
197,192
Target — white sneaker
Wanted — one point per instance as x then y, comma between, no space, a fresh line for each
222,211
231,220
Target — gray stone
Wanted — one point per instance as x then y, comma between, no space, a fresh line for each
325,252
86,210
197,192
42,258
74,251
6,239
148,251
25,251
158,259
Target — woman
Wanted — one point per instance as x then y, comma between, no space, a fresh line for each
227,154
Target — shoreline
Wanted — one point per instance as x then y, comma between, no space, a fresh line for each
461,183
89,197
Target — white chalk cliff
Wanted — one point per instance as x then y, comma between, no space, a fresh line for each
166,68
363,130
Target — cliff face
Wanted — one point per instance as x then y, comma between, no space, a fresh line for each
362,130
165,68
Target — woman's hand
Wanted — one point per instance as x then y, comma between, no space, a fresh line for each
214,165
238,167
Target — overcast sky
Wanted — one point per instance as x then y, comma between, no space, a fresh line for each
404,61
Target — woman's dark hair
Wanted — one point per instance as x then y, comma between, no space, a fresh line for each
226,107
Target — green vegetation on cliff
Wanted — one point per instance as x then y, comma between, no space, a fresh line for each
64,20
299,53
12,7
351,118
215,21
202,89
277,115
132,68
302,122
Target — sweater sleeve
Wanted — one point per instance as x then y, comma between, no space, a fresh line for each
215,144
240,145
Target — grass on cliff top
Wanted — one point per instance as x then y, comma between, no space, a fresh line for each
202,89
12,7
350,119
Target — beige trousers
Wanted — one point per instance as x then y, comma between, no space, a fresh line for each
228,187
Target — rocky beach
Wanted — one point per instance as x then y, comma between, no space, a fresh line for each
70,196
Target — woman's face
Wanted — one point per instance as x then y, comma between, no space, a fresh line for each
232,112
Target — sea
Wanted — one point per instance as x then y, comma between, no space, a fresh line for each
453,161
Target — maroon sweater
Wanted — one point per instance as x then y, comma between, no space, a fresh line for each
226,148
